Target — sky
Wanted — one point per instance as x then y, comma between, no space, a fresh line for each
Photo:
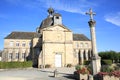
26,15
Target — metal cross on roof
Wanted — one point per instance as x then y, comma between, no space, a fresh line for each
91,13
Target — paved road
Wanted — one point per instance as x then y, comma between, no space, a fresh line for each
37,74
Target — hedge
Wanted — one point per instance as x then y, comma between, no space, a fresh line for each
8,65
106,62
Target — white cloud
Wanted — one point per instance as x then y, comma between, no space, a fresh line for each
79,6
113,18
74,6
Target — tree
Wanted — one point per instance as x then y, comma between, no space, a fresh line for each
114,56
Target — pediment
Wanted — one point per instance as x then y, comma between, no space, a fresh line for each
57,28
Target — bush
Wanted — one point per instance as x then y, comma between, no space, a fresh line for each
69,65
106,68
106,62
80,69
86,62
77,67
8,65
89,67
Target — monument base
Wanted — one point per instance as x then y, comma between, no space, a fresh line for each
95,64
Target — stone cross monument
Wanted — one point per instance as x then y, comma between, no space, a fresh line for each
95,60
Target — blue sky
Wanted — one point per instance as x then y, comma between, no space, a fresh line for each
26,15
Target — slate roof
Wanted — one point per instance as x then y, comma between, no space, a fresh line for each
21,35
80,37
47,22
30,35
56,14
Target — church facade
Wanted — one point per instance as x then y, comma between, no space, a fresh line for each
52,44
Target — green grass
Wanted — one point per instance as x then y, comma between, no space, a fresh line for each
9,65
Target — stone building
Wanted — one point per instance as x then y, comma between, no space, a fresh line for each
52,44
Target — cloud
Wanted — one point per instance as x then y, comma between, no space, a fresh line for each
74,6
113,18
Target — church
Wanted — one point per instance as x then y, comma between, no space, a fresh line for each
51,44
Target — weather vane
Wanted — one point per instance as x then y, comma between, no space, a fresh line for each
91,13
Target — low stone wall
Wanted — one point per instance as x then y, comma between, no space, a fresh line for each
90,77
107,77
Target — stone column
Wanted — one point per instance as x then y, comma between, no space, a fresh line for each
96,65
81,56
93,36
76,53
86,54
20,54
96,60
13,55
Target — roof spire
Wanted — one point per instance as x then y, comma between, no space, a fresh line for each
50,11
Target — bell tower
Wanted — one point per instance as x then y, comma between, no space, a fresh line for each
51,12
57,19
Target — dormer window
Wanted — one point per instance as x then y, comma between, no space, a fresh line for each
57,17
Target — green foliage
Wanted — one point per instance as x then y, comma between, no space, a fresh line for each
69,65
86,62
77,67
107,69
117,68
89,67
106,62
9,65
114,56
81,69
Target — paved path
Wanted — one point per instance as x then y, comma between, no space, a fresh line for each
37,74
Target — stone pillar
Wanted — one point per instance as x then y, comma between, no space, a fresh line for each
86,54
76,53
20,54
81,56
93,36
13,55
96,60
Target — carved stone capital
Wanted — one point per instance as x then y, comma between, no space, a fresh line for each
92,23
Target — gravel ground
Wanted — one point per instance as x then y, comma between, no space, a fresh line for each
37,74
